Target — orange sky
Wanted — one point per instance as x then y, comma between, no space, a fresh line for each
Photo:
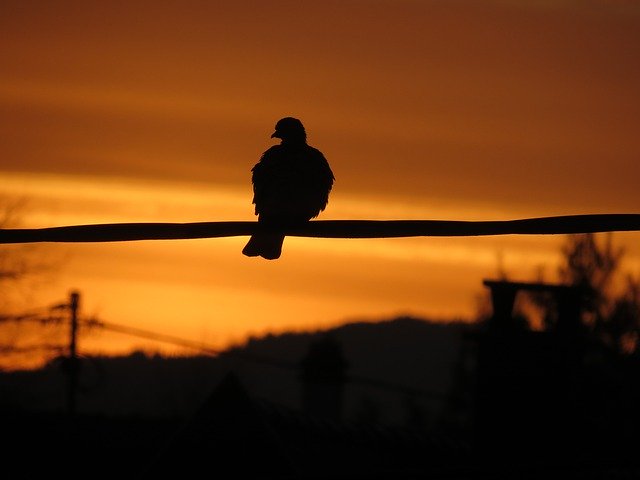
156,111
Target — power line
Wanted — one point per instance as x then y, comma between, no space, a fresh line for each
199,347
31,318
149,335
8,349
182,342
118,232
40,314
204,348
19,318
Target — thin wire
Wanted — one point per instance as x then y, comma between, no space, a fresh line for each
182,342
149,335
31,318
199,346
42,313
8,350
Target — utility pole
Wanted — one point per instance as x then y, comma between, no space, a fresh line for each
74,303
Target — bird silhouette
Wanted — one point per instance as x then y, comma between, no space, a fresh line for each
291,185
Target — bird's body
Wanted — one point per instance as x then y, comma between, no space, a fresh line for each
291,185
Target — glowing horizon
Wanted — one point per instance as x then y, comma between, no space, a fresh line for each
177,275
425,110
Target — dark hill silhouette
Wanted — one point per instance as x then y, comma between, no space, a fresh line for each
130,407
404,352
387,361
529,405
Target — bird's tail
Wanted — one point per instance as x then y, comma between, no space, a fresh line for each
266,245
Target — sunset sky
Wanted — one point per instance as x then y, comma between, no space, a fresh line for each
151,111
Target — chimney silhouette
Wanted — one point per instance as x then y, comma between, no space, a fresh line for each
527,385
323,378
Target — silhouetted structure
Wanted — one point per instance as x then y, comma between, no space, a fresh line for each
547,403
291,185
323,378
539,393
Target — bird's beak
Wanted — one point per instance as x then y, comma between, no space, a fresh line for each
275,135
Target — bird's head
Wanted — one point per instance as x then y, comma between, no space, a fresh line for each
290,129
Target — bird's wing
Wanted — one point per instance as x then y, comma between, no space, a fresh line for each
321,179
291,182
262,177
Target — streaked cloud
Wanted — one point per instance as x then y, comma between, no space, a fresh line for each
466,110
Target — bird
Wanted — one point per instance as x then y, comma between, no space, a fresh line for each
291,185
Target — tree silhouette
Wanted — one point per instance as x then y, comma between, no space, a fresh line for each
612,315
22,268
